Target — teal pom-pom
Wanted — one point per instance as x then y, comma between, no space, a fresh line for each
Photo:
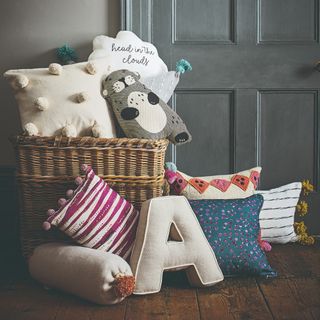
183,65
170,166
66,54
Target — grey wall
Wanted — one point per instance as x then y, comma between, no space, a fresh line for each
31,30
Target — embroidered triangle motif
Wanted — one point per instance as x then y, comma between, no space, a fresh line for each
240,181
254,178
199,184
221,184
179,184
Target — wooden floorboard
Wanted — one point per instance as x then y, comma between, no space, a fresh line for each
147,307
177,300
30,301
294,294
233,299
293,298
294,260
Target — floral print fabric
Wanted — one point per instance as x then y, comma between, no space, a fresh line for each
232,229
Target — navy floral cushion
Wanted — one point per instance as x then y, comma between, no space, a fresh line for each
232,228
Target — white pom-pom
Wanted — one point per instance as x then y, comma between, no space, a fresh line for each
55,68
82,96
31,129
69,193
99,131
42,103
91,68
21,81
104,92
69,131
46,226
78,181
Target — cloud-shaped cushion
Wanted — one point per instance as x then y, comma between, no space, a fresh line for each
128,51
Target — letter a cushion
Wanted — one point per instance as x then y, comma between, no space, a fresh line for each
171,217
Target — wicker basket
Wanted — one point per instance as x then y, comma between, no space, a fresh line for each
47,166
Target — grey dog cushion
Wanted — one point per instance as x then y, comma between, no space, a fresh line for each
140,112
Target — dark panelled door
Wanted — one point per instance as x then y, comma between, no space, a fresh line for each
253,95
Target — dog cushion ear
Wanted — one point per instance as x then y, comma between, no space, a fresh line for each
171,218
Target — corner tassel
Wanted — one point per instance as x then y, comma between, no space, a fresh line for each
66,55
124,285
182,66
301,231
302,208
170,166
307,187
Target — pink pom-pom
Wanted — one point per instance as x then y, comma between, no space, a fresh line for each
69,193
46,226
266,246
62,202
50,212
78,181
84,167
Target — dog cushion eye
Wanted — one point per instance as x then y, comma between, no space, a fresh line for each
118,86
129,80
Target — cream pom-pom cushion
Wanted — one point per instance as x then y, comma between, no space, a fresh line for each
63,100
169,237
97,276
128,51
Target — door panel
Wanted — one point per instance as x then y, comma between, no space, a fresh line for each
252,97
212,131
217,16
287,136
284,21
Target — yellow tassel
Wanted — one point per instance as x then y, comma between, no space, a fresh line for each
302,208
301,231
307,187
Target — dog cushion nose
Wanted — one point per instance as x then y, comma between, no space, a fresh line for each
182,137
153,98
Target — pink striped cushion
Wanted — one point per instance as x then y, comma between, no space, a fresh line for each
98,217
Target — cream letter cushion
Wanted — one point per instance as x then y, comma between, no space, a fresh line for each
63,100
153,252
90,274
232,186
128,51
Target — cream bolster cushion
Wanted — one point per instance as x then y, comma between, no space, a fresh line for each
84,272
63,100
153,253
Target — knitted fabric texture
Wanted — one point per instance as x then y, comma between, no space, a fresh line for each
140,112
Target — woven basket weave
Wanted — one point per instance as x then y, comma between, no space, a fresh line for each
47,166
